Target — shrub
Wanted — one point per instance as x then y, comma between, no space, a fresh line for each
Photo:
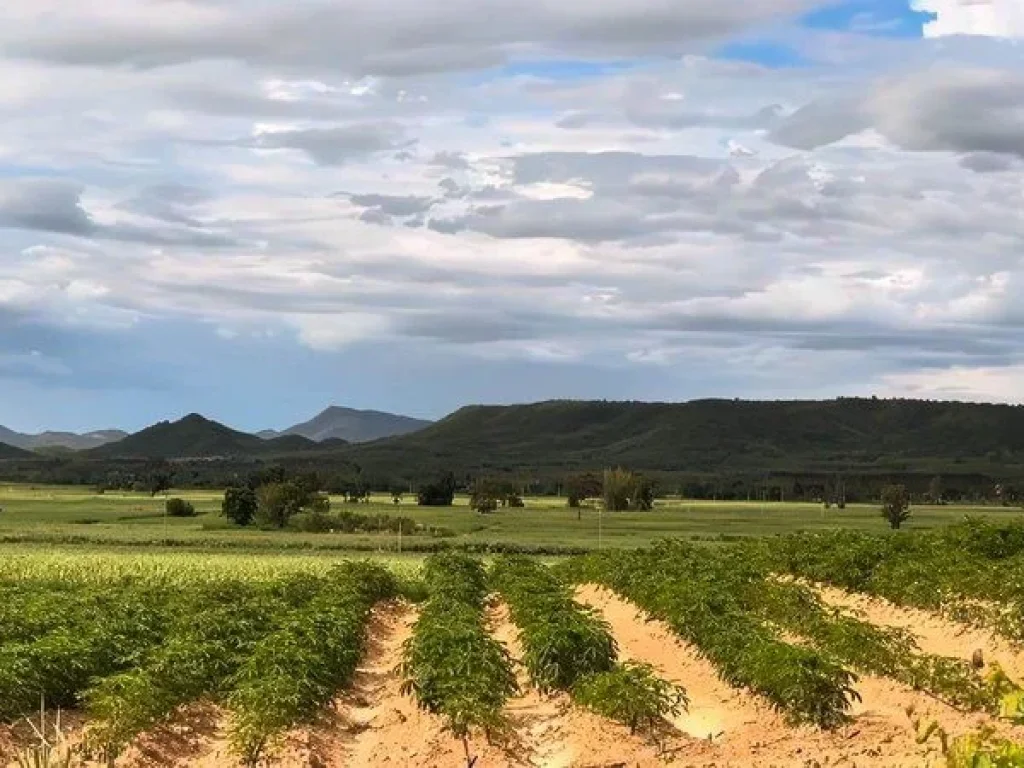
180,508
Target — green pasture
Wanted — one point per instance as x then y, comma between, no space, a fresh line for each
66,516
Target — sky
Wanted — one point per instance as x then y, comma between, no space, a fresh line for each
254,209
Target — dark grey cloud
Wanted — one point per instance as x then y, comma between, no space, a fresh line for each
819,123
44,205
394,205
339,144
940,109
398,37
987,162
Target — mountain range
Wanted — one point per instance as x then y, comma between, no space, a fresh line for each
69,440
849,434
333,427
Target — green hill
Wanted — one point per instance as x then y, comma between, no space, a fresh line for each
708,435
10,452
197,437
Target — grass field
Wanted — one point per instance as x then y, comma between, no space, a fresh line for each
62,515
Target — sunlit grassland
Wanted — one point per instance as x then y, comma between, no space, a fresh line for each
79,516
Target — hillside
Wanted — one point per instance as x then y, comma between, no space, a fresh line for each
350,425
12,452
197,437
708,435
69,440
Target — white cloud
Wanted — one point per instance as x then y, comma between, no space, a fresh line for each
990,18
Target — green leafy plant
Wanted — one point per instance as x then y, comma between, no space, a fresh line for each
451,664
633,694
563,641
295,670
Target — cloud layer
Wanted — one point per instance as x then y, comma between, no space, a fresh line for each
561,198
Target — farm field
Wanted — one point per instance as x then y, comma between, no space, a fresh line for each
64,515
836,648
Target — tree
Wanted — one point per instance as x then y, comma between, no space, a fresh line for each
239,505
179,508
580,487
935,490
618,489
484,496
397,492
440,493
159,482
895,505
277,503
627,490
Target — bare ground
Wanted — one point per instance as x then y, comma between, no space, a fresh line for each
745,731
554,733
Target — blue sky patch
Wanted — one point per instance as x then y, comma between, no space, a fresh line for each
884,18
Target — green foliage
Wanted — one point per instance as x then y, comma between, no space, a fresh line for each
633,694
292,672
451,663
180,508
583,486
895,505
484,496
240,505
210,635
277,503
440,493
563,641
59,664
691,590
625,490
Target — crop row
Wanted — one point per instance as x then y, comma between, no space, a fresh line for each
972,572
672,582
273,651
568,647
451,664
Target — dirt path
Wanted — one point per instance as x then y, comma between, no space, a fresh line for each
934,634
553,733
748,732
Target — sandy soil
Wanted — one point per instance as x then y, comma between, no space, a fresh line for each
554,733
935,634
745,731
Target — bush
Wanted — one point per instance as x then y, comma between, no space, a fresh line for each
180,508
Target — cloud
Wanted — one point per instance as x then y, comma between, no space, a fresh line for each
45,205
665,227
941,109
338,144
989,18
396,37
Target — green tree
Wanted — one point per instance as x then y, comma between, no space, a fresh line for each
485,496
179,508
895,505
239,505
440,493
618,489
580,487
277,503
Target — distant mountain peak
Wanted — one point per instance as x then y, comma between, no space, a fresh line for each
337,422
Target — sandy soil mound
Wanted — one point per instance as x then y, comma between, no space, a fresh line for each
745,731
553,733
935,634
